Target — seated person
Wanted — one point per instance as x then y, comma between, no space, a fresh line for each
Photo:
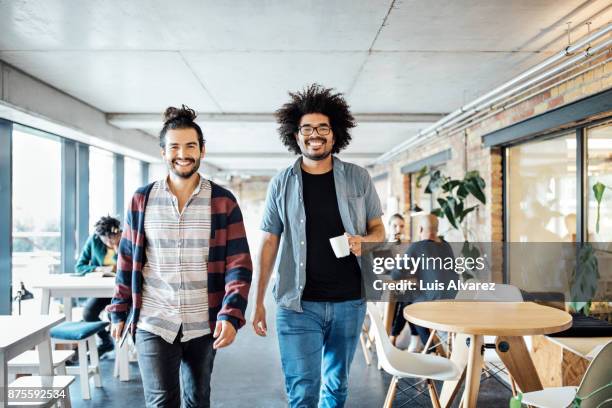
100,255
429,246
397,229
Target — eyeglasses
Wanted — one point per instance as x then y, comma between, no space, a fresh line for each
308,130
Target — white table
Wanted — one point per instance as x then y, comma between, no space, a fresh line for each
18,335
67,287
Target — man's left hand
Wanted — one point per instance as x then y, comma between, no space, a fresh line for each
224,333
355,243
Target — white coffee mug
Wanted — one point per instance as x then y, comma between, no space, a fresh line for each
340,245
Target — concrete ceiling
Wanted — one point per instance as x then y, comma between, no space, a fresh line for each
241,57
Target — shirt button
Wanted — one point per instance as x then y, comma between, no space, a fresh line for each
301,263
302,220
302,242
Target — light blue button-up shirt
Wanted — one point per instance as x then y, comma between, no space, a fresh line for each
284,215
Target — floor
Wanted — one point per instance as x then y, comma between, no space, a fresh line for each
256,362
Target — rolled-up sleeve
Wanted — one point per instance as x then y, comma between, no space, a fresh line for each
372,201
271,221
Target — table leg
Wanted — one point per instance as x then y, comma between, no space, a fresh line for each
3,380
459,356
474,370
45,302
68,308
514,354
123,357
45,358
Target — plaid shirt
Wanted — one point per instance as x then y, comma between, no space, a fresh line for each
229,262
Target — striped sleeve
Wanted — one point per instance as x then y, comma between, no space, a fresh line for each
238,269
122,297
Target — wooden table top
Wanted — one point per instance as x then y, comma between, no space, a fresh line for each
488,318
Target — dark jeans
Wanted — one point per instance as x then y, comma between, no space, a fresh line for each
91,313
399,322
167,369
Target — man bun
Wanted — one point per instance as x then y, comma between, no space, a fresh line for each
180,118
184,113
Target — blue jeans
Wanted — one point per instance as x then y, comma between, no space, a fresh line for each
166,369
320,340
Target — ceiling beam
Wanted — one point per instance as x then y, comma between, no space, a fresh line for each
154,120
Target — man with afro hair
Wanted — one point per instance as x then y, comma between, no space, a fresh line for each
320,297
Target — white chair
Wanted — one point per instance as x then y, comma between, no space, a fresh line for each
403,364
27,363
598,376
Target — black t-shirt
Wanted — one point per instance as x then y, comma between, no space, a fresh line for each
328,279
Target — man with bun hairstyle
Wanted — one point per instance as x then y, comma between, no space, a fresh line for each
320,297
183,273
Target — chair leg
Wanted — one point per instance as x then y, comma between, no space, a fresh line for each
391,392
513,384
433,394
429,341
84,370
366,352
95,360
65,402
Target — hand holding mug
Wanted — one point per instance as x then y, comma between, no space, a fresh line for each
354,243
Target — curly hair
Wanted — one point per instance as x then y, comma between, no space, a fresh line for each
183,118
315,99
107,226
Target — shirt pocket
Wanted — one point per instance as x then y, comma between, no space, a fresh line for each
357,212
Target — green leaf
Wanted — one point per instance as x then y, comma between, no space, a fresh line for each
462,191
448,212
598,191
422,173
474,188
449,185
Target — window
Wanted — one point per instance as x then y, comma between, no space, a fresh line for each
101,185
541,190
133,178
37,189
599,170
157,171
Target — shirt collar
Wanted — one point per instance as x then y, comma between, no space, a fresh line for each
199,186
336,163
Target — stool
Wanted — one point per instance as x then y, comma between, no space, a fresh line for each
58,383
84,334
28,363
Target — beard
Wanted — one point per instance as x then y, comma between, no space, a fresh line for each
316,156
184,173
